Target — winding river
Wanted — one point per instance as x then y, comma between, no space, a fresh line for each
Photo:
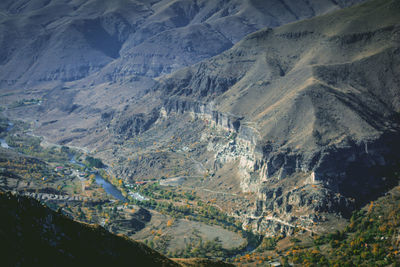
108,187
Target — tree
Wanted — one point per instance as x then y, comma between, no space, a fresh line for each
93,162
92,178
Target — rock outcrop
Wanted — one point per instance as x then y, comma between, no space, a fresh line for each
314,105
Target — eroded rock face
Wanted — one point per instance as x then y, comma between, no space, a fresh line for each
129,126
315,127
293,193
292,185
228,122
336,180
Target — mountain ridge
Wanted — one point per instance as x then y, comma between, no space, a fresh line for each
72,40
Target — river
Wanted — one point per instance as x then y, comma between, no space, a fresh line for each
2,140
109,188
4,143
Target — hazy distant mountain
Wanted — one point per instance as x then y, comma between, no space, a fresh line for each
58,40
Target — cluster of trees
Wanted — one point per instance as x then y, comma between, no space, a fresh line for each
94,162
307,257
29,169
202,249
205,213
30,145
201,212
268,243
154,190
3,124
255,260
370,239
25,102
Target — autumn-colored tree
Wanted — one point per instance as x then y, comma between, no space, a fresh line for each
370,207
375,249
92,178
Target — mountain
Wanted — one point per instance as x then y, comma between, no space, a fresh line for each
57,41
315,105
88,58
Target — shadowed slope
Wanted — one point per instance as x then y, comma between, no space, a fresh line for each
32,234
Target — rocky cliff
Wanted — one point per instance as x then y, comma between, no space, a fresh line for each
314,106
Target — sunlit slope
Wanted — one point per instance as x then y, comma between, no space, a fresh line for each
320,95
60,41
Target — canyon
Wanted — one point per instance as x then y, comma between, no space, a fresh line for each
283,115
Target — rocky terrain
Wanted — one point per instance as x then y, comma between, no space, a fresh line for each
311,109
314,107
295,125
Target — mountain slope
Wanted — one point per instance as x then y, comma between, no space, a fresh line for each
57,40
32,234
315,104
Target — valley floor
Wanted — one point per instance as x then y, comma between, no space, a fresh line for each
172,220
181,216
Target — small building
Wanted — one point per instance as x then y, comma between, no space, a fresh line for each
275,264
141,182
129,185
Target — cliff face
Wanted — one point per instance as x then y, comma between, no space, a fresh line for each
314,106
